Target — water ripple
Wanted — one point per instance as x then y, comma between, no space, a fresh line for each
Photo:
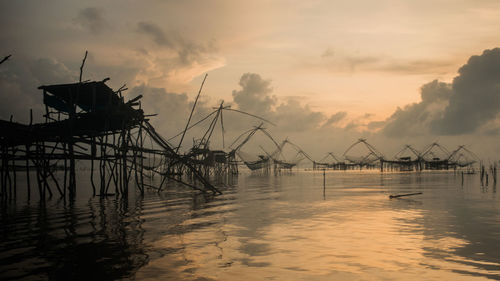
264,227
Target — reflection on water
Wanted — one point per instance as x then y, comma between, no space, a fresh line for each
102,239
264,228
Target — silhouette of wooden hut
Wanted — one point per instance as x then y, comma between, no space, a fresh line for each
88,121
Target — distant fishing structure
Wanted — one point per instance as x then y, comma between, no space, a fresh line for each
261,163
217,163
367,160
329,161
267,162
434,157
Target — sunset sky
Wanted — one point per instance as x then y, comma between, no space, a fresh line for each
343,64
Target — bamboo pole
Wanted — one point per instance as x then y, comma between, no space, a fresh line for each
65,186
14,172
141,158
92,156
28,185
124,161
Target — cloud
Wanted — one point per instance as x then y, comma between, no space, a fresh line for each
155,32
476,96
418,66
338,60
292,116
335,118
187,50
50,71
255,97
172,111
171,107
171,58
470,104
19,79
352,125
91,18
375,125
255,94
414,119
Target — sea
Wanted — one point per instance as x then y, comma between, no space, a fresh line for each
299,225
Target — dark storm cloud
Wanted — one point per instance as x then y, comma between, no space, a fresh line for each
92,19
414,119
19,79
470,104
476,96
50,71
187,50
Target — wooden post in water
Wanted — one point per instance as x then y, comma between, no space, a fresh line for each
2,176
324,183
14,174
71,152
37,161
481,167
141,144
6,179
92,156
65,179
102,167
45,170
493,172
124,162
28,185
72,170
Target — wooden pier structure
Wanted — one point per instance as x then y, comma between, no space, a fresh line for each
88,124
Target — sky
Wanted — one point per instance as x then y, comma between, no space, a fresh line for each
325,72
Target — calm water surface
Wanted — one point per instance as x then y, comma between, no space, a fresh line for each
285,227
